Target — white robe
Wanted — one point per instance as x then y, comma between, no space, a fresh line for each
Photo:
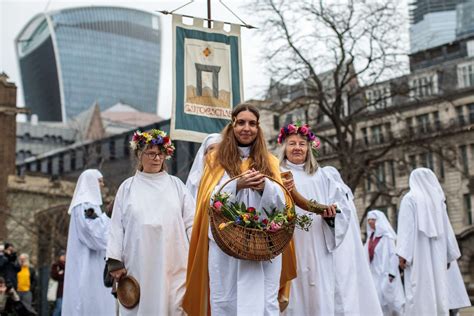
458,297
426,274
385,263
150,232
243,287
355,290
313,292
84,290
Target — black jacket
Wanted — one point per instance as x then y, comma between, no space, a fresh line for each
9,267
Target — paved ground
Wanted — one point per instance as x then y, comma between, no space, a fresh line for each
467,311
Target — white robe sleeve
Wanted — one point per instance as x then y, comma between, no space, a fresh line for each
452,245
188,206
335,236
116,233
272,196
406,229
91,232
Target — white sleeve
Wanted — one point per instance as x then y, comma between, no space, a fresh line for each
188,207
406,230
91,232
117,229
272,196
335,235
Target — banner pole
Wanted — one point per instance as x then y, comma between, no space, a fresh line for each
209,14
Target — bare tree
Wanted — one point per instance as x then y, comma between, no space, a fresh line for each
326,55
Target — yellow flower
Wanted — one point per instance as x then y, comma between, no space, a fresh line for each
224,225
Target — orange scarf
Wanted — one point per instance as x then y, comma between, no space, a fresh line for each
196,298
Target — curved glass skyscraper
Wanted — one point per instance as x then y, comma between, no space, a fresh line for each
71,58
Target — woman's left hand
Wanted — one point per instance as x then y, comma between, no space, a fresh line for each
330,211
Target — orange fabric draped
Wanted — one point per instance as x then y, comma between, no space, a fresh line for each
196,298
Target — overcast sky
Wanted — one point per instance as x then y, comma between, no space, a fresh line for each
14,14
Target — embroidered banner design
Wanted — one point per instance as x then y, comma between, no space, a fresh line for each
207,78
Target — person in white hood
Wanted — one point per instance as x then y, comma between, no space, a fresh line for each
84,290
426,245
380,251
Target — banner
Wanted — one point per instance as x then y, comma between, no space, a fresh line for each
207,78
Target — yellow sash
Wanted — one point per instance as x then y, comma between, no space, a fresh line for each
196,298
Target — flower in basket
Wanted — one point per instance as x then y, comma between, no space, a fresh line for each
251,209
218,205
274,227
224,225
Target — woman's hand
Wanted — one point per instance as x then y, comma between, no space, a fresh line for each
118,274
251,179
289,184
330,211
402,263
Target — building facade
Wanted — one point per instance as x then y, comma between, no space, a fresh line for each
72,58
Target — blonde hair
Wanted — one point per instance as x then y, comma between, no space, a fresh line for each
310,165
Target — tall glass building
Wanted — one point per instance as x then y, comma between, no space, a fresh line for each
71,58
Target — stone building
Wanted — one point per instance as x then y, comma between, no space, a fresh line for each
423,119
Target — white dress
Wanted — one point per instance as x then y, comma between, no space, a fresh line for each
313,292
385,264
242,287
84,290
427,241
150,232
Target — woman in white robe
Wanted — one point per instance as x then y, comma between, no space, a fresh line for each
426,245
355,290
195,173
151,226
84,290
313,292
380,252
236,287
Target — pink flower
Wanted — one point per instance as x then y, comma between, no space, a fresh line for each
316,143
218,205
255,218
292,129
274,227
265,221
304,129
169,150
251,209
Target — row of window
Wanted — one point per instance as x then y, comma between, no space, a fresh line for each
465,114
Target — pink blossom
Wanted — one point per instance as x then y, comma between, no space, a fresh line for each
304,130
274,227
316,143
218,205
292,129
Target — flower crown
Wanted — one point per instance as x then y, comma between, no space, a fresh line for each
303,130
155,137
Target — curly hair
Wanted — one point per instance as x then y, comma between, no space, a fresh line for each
228,155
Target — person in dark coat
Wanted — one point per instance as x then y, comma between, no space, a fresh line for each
9,265
57,273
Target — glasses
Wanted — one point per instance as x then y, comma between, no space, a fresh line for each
153,155
242,123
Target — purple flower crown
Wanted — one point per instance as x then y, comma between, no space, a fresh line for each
303,130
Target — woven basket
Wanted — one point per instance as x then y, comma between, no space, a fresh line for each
249,243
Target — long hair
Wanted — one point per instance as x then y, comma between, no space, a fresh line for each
228,155
310,165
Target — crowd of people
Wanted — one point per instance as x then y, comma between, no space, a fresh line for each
158,231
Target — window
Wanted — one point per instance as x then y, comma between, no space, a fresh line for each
276,122
388,131
288,119
471,112
377,136
380,173
466,75
426,160
437,122
423,86
378,97
365,136
409,122
464,158
412,161
460,115
441,166
423,123
392,172
112,149
468,208
369,183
